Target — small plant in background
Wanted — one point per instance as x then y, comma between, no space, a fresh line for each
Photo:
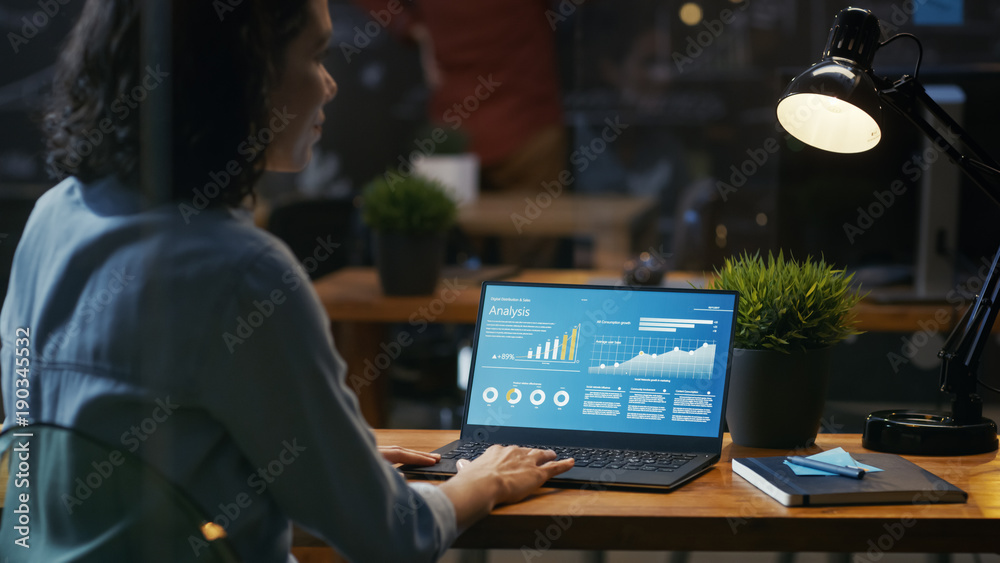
395,203
409,216
786,305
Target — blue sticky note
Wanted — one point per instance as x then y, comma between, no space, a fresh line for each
836,456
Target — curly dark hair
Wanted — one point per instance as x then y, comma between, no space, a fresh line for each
225,63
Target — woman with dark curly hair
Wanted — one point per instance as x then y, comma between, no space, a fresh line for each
180,333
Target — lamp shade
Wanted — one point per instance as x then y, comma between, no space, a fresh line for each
835,105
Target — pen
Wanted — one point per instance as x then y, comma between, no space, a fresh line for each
852,472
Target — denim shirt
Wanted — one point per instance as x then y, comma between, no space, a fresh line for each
193,339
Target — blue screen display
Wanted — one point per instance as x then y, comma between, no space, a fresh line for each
610,360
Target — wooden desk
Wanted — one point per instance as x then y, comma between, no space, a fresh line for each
354,294
720,511
354,300
612,222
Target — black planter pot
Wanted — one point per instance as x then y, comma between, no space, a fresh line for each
776,400
409,264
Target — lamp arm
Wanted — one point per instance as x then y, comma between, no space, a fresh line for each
961,352
908,97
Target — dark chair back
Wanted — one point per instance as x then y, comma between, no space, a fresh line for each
70,497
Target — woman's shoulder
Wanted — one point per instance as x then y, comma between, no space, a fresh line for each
112,220
227,239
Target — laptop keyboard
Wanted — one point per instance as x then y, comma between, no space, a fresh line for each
592,457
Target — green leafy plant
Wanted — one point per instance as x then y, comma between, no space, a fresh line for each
787,305
396,202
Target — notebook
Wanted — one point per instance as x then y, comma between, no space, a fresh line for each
629,381
898,481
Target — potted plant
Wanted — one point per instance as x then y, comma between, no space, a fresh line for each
790,315
409,216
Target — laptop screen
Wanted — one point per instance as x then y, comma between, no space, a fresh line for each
623,360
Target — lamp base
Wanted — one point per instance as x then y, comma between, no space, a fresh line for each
916,433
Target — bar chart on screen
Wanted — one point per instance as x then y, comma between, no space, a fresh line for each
541,342
561,348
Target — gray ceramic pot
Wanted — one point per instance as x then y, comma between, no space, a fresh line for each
776,400
409,264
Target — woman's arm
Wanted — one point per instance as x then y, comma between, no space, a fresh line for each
284,384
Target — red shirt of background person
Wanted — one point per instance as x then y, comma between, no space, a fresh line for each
491,68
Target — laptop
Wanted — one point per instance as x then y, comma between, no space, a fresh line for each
629,381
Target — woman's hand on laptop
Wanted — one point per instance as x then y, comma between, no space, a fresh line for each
519,471
503,474
398,454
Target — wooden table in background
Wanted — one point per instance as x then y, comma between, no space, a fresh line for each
354,294
614,223
720,511
360,311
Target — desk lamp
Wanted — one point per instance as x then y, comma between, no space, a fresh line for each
836,105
